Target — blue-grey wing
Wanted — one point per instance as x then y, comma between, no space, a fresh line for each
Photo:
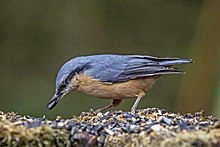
108,68
116,69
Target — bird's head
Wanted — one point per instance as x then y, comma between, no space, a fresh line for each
66,81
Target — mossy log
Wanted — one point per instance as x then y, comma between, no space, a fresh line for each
148,127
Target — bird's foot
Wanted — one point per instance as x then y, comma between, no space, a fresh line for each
133,110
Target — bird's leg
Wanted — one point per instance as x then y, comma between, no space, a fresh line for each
139,96
114,103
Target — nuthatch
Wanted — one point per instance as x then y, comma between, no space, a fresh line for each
113,77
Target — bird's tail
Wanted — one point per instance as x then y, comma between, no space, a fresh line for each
149,65
174,61
162,61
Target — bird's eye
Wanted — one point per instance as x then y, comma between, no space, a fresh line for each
62,87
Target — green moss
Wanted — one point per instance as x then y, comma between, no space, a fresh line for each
166,139
16,130
13,134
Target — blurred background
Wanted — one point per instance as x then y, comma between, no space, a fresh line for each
37,37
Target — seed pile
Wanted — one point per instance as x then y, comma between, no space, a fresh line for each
98,129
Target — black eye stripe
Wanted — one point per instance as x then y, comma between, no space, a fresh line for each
62,87
78,70
67,80
69,77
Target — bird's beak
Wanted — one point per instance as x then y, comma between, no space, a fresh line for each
54,100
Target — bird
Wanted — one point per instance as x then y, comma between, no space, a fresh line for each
113,76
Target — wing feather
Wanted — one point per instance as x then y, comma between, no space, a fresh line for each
119,68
